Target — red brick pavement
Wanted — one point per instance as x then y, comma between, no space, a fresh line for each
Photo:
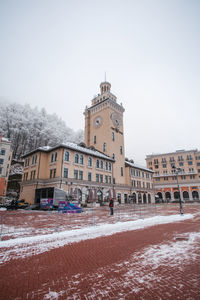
112,267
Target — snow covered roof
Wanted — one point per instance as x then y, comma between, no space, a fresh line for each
72,146
16,169
133,165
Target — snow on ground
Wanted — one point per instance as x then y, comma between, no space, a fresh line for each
27,246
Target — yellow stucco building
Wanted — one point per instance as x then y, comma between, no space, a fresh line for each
91,171
167,166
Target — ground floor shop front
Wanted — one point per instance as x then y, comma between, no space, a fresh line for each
82,191
173,193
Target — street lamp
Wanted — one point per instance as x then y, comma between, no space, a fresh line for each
177,170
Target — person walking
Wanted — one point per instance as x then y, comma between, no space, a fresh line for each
111,205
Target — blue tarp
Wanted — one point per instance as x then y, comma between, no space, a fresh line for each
68,207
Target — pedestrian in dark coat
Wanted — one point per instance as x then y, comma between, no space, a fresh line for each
111,205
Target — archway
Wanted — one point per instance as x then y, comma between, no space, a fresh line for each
159,194
168,196
176,195
185,195
149,198
100,196
139,198
195,195
134,197
79,196
144,198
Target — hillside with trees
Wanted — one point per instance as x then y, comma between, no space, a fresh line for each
29,128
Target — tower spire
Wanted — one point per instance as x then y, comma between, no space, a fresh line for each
105,76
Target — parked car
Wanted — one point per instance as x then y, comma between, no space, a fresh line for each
22,204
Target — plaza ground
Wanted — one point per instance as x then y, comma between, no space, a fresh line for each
154,260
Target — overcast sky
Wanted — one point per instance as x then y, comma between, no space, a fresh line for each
54,54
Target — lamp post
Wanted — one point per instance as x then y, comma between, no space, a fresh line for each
177,170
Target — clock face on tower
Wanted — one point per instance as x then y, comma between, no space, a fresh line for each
116,119
98,121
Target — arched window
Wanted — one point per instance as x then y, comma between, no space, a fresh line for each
97,163
101,164
89,161
66,156
109,166
76,158
81,159
104,147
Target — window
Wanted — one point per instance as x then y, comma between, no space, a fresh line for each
80,175
113,156
122,171
106,178
0,170
2,152
106,165
97,177
26,162
109,166
56,155
165,178
97,163
25,176
109,178
104,147
66,156
52,173
65,173
95,139
1,161
190,162
121,151
76,158
181,164
52,157
101,162
192,176
34,159
89,161
164,166
150,163
101,178
198,164
189,157
155,161
142,174
81,159
171,159
75,174
113,136
163,160
32,175
132,171
89,176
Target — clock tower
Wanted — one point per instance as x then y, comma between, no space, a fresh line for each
104,129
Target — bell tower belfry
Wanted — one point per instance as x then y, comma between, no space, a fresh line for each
104,129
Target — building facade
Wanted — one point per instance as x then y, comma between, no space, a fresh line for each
92,171
165,175
5,161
